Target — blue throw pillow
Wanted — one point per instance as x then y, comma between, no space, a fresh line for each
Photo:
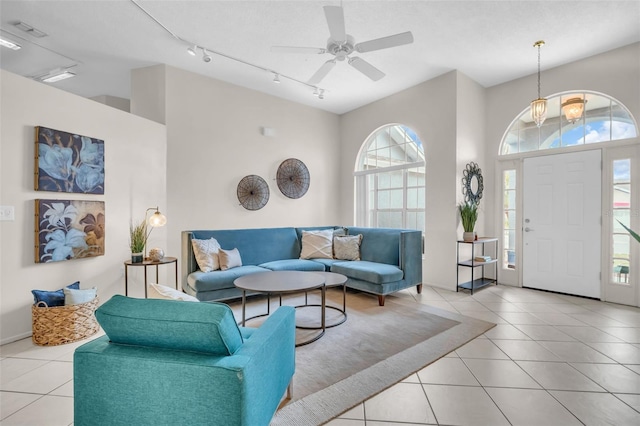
52,298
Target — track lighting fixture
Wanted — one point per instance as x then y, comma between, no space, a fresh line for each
276,78
205,56
192,50
321,95
315,91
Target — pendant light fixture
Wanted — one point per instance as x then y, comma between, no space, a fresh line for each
539,106
573,109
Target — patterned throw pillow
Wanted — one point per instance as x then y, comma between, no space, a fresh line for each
229,259
52,298
317,244
206,253
347,247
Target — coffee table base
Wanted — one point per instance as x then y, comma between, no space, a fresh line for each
323,307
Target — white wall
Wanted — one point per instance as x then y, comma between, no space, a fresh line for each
214,140
430,110
135,155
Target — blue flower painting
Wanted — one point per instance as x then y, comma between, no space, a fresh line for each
66,162
67,229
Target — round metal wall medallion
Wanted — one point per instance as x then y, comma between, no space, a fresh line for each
253,192
472,185
293,178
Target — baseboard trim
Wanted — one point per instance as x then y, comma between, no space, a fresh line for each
15,338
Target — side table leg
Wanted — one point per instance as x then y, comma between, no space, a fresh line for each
324,290
145,281
126,280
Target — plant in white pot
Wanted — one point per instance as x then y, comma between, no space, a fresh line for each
469,215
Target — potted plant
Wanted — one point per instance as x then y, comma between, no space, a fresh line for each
137,240
469,215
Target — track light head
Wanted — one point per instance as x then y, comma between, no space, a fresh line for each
276,78
192,50
321,95
315,91
205,56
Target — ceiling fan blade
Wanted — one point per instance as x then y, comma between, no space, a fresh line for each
366,68
385,42
294,49
322,72
335,20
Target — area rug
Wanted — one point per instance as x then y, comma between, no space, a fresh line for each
374,349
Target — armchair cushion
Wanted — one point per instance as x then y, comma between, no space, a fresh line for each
203,327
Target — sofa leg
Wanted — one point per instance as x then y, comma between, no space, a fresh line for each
290,390
381,300
419,288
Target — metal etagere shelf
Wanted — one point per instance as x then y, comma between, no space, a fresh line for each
477,249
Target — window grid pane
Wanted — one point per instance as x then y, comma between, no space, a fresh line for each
621,209
603,120
509,219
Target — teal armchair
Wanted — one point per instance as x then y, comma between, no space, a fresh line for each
166,362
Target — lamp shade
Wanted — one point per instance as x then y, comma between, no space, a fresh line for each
539,111
157,219
573,109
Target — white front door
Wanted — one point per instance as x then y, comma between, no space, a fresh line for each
562,223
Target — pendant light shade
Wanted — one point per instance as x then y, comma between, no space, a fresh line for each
573,109
539,106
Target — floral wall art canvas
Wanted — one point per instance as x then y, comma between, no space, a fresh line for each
68,229
66,162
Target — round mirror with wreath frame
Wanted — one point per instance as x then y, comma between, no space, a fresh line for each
472,184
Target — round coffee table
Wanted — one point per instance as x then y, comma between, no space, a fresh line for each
331,279
282,282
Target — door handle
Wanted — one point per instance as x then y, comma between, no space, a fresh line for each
527,229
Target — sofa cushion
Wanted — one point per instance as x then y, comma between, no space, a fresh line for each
170,324
157,291
229,259
293,265
317,244
218,280
378,273
347,247
327,263
206,254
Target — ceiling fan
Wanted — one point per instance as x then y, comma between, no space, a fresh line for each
341,45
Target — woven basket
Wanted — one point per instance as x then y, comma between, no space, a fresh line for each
58,325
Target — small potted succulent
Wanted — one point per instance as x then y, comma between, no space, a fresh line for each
137,240
469,215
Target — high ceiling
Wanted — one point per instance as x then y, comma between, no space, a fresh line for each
489,41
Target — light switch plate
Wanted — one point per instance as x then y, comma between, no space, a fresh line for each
7,213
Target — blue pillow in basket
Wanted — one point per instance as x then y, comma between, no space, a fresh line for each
52,298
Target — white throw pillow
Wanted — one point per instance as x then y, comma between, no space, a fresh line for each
77,297
206,253
157,291
347,247
317,244
229,259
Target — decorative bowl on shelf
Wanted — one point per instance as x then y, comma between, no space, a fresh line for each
156,254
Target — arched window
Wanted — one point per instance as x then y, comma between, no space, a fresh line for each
603,119
390,179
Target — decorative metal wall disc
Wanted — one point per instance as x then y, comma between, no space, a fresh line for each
253,192
293,178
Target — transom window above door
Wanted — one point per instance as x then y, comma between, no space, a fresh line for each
573,118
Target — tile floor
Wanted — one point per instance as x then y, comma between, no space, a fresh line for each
551,360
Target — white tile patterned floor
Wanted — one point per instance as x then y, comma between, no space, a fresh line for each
551,360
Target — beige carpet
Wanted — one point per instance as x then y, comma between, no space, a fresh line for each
375,348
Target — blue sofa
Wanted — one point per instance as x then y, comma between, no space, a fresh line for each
391,259
167,362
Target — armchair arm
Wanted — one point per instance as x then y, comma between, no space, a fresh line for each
411,256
